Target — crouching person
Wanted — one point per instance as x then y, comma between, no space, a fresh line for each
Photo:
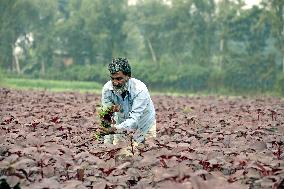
134,109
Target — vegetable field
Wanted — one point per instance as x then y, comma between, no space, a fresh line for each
47,141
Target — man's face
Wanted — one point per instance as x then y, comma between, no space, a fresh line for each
119,80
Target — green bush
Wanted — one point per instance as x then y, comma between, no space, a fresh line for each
216,80
279,86
2,75
171,76
237,79
192,78
249,78
80,73
144,71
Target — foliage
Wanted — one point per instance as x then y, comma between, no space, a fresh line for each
2,75
193,78
96,73
106,116
250,78
187,77
106,119
280,84
200,141
173,44
12,27
216,79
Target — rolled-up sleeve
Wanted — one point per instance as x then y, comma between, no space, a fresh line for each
140,103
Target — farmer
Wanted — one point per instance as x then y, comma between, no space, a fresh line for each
132,102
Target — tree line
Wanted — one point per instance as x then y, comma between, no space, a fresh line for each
191,45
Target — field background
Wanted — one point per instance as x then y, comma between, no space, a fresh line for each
203,142
215,71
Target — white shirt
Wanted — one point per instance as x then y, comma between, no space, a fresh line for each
137,110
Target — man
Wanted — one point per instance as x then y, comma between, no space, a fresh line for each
131,100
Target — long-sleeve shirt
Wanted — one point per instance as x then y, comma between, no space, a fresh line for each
137,111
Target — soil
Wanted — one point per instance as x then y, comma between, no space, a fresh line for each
202,142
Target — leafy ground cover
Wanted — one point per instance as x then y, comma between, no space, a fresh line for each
203,143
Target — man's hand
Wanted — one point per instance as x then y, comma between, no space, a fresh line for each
107,131
116,108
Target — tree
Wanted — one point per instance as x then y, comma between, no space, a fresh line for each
274,14
73,39
150,17
226,13
104,21
48,18
16,19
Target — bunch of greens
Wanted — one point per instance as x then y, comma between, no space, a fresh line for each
106,115
106,119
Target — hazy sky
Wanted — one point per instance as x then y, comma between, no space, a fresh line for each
250,3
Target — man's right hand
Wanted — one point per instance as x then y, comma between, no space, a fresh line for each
116,108
107,131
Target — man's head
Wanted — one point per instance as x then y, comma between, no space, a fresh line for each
120,64
120,72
